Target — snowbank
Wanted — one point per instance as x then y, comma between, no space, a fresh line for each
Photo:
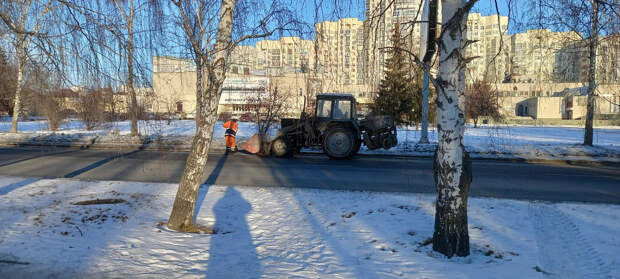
495,142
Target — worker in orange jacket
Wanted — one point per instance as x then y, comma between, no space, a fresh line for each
231,131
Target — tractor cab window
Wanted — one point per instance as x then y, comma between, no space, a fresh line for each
342,110
324,108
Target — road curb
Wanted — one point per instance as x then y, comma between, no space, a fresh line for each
112,146
502,159
221,148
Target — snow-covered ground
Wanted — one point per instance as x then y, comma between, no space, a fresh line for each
176,127
178,131
525,142
487,141
290,233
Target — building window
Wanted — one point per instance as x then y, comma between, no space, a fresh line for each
324,108
343,109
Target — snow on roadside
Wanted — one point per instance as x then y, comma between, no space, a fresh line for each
177,132
486,141
518,142
277,233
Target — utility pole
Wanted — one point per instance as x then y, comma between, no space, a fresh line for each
424,134
428,34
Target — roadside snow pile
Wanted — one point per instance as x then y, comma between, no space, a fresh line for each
155,134
518,142
284,233
511,142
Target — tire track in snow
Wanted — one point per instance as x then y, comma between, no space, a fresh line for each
563,251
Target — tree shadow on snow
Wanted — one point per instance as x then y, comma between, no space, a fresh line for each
14,186
232,253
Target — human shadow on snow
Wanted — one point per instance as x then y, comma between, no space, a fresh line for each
232,253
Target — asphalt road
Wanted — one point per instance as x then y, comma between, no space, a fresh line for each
502,179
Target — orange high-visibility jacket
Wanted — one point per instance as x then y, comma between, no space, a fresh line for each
231,128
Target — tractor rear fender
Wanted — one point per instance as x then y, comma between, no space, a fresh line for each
351,126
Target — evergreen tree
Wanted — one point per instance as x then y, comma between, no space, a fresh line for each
396,92
416,84
7,84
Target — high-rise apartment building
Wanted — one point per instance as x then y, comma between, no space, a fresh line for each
340,53
573,61
492,47
381,18
533,54
287,55
273,57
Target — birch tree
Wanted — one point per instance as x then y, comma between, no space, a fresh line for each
127,10
452,168
209,35
25,20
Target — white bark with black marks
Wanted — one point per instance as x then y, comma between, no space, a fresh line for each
452,165
182,216
128,18
15,15
17,100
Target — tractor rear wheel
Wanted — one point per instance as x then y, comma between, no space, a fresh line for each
339,143
280,147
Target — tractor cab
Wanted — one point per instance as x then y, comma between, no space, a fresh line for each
335,107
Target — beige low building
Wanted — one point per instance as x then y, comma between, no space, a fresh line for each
541,108
556,100
242,92
174,84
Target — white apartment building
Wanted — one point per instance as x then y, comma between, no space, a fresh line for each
340,52
273,57
381,17
492,47
573,61
533,54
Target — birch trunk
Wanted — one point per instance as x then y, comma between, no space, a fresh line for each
452,165
589,133
17,100
182,216
130,79
199,79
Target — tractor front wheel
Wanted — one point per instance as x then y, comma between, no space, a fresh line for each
339,143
